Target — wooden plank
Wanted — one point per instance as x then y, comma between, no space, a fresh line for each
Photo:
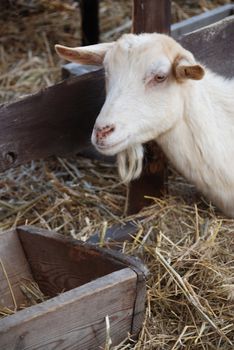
214,46
76,69
58,120
116,235
60,263
202,20
150,16
139,306
16,267
89,21
151,182
75,319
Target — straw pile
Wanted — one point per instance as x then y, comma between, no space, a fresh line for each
31,292
187,245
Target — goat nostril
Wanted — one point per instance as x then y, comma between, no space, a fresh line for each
101,133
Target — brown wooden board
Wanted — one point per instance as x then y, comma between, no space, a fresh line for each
89,21
204,19
91,282
151,16
116,235
59,120
13,267
75,319
59,263
214,46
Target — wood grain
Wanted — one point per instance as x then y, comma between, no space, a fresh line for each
151,16
94,283
16,266
214,46
116,235
75,319
56,121
152,182
59,263
204,19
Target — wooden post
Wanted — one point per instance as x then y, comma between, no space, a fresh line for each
90,23
149,16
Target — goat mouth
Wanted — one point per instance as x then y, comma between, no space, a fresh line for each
112,149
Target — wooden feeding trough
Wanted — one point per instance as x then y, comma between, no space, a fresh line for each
85,284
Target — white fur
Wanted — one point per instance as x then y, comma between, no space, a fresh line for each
130,162
192,120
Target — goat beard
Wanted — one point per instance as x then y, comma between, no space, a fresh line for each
130,162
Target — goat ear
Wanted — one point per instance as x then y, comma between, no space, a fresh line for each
187,68
90,55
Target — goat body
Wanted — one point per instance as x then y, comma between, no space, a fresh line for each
157,91
201,144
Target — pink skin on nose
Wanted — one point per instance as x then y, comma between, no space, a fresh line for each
102,133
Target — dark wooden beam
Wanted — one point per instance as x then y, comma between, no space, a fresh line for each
89,21
150,16
55,121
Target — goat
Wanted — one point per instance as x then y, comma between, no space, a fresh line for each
155,90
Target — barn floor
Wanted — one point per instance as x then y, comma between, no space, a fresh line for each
186,243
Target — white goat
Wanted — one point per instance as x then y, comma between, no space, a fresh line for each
157,91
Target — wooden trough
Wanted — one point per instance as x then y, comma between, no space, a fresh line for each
84,283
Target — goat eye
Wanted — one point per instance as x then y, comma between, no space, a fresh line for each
160,78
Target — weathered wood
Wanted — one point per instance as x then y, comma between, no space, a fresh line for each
151,16
89,21
16,268
76,69
58,120
116,235
75,319
214,46
54,261
139,306
202,20
152,181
